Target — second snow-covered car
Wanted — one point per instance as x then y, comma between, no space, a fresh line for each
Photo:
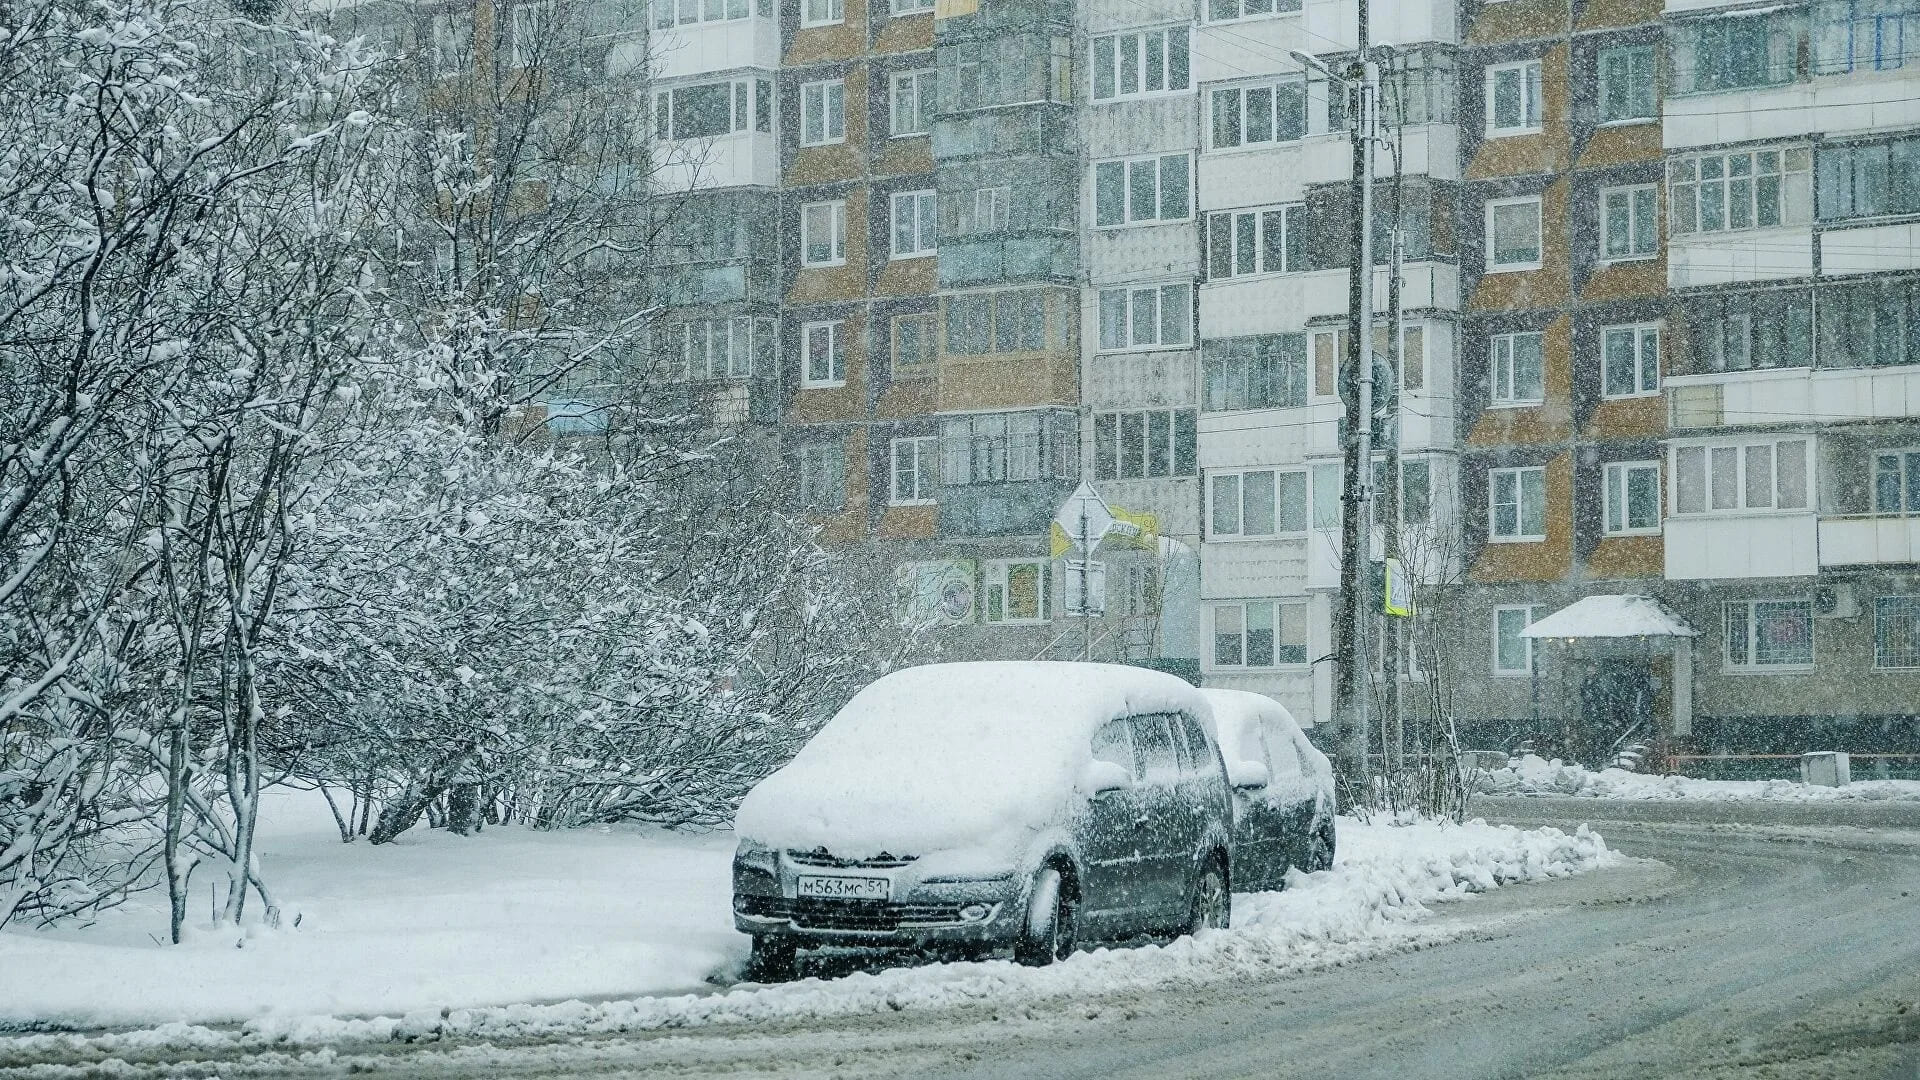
963,808
1282,790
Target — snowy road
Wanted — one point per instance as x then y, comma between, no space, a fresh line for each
1745,952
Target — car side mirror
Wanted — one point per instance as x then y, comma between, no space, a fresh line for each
1102,777
1249,775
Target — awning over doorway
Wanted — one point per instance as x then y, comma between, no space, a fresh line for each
1623,615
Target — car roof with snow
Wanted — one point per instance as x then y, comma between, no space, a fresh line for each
1237,714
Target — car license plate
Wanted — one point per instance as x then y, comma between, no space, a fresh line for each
845,888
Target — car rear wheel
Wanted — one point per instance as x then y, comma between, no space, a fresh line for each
773,959
1048,935
1320,846
1212,905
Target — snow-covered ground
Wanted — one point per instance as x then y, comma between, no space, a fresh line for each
1531,775
438,934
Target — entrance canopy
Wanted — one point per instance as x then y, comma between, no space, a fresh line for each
1626,615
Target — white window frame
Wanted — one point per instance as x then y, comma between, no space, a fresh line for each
1878,653
1144,331
1539,235
922,228
924,453
1502,374
821,450
1618,476
522,50
1268,10
993,575
909,7
836,210
1749,617
820,123
1633,211
1907,493
1532,109
1126,165
986,212
1211,478
1601,86
1645,374
822,13
1793,179
1239,92
921,85
1740,450
1275,607
1519,475
1140,49
836,374
742,116
929,329
1289,215
1531,613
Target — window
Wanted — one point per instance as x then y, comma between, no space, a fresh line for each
1326,496
1513,653
1517,504
1874,323
1752,189
1268,371
825,364
1256,503
1010,321
1769,634
985,212
1761,330
666,13
1112,744
913,102
915,464
913,224
1865,35
1146,317
1137,190
719,348
1721,53
1330,350
1259,634
1138,64
1629,361
1633,497
1896,482
1741,477
1629,223
1896,632
709,109
823,112
910,7
1518,362
1513,98
913,344
823,234
1142,595
1138,445
1626,84
1259,115
1016,590
823,476
1271,240
532,24
1870,180
822,12
452,42
996,448
1513,234
1416,491
1227,10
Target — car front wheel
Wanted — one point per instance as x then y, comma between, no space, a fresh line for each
1320,846
773,959
1048,934
1212,907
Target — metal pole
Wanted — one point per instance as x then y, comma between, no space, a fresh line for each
1086,585
1351,689
1395,737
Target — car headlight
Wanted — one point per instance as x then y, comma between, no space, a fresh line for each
752,856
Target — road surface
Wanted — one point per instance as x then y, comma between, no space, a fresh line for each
1742,952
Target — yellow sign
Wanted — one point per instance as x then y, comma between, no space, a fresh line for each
1145,534
1399,590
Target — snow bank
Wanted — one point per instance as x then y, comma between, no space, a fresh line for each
952,755
1371,903
1532,775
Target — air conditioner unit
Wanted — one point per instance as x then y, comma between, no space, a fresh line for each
1834,602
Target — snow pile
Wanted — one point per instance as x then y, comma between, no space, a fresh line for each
1370,904
1532,775
932,758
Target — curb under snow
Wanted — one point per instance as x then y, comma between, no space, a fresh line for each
1364,908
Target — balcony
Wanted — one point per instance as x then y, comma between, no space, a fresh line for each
1869,540
1015,508
1763,545
703,48
1794,396
747,159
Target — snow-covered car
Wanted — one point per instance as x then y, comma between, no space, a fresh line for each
965,808
1283,800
